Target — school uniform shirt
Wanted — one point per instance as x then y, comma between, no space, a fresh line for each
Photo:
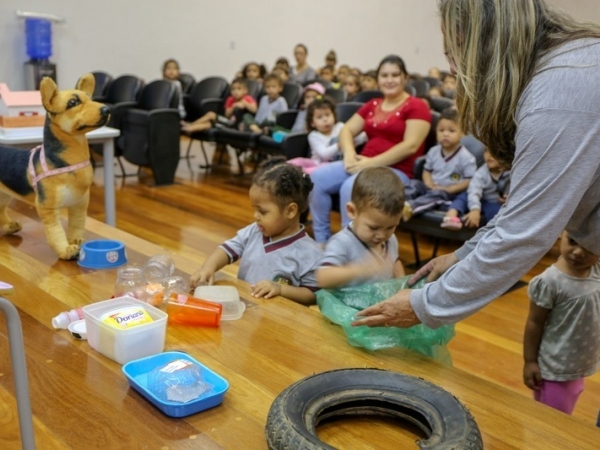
345,247
450,169
484,187
268,110
386,128
570,347
291,260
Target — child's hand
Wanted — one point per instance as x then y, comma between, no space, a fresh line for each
202,277
255,128
473,218
502,199
532,376
265,289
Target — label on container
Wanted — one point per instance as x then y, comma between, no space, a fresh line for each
176,365
127,317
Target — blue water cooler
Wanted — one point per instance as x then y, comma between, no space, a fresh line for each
38,34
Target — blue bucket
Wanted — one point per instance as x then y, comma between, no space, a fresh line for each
102,254
38,34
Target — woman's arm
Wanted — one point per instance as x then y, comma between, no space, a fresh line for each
552,171
415,134
353,127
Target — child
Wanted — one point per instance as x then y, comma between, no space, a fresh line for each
367,249
449,85
269,106
170,71
369,81
281,73
284,64
326,75
486,193
561,345
321,121
351,86
253,71
309,94
435,91
236,105
342,72
278,256
434,72
448,169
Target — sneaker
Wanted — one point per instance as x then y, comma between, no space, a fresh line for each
407,212
451,223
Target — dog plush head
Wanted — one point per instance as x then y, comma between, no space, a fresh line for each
74,111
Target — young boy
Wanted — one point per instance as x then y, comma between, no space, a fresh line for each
367,249
486,193
448,169
236,105
269,106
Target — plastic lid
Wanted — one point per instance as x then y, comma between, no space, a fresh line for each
78,329
228,296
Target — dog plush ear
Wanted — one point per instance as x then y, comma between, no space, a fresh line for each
86,84
48,89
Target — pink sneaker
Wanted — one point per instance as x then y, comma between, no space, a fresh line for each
452,223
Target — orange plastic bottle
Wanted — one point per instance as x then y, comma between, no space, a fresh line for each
187,310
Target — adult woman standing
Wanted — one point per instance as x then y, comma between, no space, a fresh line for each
527,88
396,126
302,73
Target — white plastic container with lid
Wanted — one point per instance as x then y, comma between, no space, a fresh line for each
127,344
228,296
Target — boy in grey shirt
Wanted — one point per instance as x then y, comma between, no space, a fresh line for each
367,249
269,106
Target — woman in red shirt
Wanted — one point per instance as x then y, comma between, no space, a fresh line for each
396,126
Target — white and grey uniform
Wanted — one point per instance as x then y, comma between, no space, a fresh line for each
291,260
345,247
555,186
450,169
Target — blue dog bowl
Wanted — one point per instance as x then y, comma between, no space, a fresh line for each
102,254
137,372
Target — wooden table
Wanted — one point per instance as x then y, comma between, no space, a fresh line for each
81,400
104,136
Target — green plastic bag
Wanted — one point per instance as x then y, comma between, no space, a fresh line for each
341,305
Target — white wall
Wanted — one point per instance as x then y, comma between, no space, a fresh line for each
216,37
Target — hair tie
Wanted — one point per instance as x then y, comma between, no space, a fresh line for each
304,176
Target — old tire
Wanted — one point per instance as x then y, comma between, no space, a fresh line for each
296,412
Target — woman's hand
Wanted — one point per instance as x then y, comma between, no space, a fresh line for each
396,311
349,161
362,162
434,268
266,289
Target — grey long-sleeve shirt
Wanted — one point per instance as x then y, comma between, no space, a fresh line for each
555,185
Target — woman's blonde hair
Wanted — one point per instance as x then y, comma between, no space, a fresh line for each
495,46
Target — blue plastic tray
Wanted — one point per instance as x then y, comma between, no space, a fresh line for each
137,373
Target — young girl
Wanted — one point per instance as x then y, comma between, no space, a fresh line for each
562,334
254,71
278,256
310,93
351,86
324,129
170,72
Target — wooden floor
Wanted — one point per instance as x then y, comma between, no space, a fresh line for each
203,209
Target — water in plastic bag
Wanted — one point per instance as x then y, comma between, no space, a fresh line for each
178,381
341,305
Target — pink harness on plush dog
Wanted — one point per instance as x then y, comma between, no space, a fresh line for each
45,172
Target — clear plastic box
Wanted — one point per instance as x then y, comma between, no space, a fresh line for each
129,343
228,296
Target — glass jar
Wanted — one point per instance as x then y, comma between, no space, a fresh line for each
130,281
158,268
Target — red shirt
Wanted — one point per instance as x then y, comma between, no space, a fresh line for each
231,100
386,128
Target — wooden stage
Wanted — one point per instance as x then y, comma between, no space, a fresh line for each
81,400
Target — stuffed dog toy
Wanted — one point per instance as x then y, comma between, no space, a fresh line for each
57,174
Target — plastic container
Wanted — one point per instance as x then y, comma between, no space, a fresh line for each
78,329
102,254
65,318
38,37
186,310
158,268
228,296
130,282
126,344
137,374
